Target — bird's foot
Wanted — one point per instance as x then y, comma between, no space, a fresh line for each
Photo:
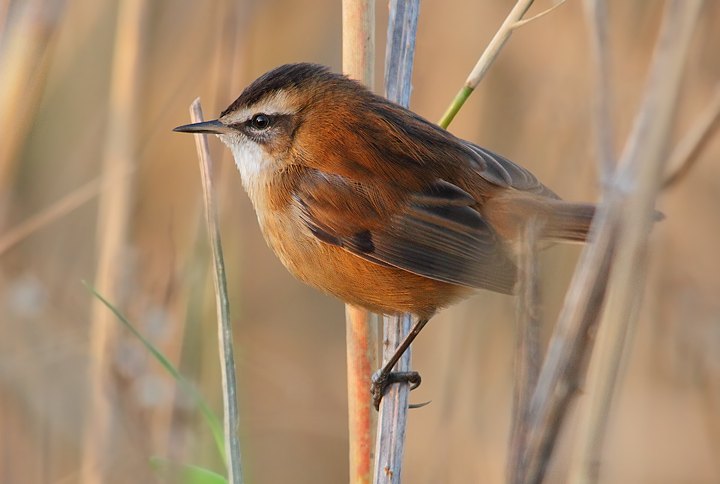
382,380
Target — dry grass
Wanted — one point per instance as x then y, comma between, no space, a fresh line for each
534,106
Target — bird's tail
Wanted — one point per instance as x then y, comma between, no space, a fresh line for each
568,221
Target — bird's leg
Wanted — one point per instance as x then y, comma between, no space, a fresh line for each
384,377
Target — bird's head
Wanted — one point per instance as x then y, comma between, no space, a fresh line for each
290,114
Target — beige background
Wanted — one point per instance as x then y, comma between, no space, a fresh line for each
534,107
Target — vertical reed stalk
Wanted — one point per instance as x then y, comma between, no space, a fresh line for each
527,348
596,13
112,229
25,51
358,26
231,413
392,420
399,57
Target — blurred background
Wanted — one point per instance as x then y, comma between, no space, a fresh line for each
89,93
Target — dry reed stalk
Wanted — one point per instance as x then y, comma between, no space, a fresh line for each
358,34
112,228
225,340
57,210
25,51
358,37
569,347
688,150
596,14
527,356
362,361
392,420
527,347
512,21
400,50
641,167
4,7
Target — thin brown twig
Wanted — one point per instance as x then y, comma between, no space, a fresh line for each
521,23
57,210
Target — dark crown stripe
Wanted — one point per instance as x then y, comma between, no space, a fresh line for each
289,76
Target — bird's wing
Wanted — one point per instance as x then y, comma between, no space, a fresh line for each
503,172
434,232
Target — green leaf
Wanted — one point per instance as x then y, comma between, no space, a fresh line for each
184,473
211,419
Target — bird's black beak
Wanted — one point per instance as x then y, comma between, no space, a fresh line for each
213,127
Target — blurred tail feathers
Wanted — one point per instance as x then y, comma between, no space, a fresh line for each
569,221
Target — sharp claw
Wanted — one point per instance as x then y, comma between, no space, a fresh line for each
419,405
415,380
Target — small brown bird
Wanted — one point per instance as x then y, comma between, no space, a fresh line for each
369,202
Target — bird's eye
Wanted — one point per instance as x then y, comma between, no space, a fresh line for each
260,121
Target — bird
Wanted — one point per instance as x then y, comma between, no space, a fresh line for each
369,202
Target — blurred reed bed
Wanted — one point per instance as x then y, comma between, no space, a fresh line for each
534,107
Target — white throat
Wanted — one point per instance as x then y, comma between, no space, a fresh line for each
251,161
